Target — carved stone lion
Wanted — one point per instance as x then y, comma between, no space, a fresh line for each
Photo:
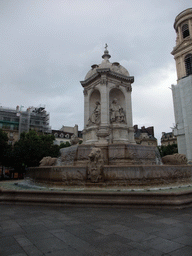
48,161
95,165
175,159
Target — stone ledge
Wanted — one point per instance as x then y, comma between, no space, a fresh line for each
114,199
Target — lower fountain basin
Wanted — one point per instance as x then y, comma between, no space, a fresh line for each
112,175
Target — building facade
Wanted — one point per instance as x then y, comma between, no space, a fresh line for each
66,133
61,137
168,138
145,136
182,91
16,121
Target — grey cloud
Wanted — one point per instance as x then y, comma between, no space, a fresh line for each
47,47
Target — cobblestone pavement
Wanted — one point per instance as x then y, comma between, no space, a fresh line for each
57,231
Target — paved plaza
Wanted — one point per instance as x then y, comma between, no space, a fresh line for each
54,231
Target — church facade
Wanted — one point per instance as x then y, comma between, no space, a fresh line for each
182,91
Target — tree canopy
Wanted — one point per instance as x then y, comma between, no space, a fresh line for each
65,145
31,148
5,149
168,150
3,142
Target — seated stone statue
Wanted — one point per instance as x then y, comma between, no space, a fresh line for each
121,116
117,114
95,117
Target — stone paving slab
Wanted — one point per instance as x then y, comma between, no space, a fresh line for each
56,231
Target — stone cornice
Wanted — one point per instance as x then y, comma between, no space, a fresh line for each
129,79
185,44
103,70
182,16
90,79
107,71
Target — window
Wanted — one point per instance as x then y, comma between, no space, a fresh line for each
188,64
16,127
6,119
6,127
185,30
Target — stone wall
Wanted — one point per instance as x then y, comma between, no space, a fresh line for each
182,95
112,175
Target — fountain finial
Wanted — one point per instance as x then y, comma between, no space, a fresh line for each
106,54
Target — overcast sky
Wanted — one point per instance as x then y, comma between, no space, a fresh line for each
48,46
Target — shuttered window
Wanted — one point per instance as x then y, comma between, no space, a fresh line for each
185,30
188,64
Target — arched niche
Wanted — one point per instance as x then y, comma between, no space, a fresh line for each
116,96
95,97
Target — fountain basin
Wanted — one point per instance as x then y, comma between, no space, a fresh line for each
112,175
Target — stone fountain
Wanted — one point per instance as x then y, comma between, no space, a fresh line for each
108,156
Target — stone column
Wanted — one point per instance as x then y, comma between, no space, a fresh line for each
104,100
178,67
86,107
128,109
183,69
180,34
129,116
190,28
103,131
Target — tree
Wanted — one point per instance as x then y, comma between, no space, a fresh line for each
168,150
31,148
65,145
4,147
5,151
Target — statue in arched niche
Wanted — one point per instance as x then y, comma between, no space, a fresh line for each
95,117
117,114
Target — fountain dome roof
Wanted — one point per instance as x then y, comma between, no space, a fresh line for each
114,67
